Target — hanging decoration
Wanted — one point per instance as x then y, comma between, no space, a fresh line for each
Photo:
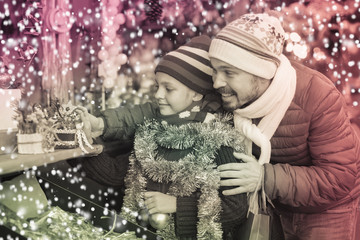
31,23
153,9
57,63
7,81
111,55
26,53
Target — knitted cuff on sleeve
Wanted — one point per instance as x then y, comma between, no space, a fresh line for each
186,216
225,155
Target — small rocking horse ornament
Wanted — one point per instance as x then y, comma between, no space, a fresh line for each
70,124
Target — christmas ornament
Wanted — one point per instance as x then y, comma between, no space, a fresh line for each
26,52
153,10
111,55
32,22
114,3
159,220
67,126
5,80
59,20
143,217
120,19
103,55
109,83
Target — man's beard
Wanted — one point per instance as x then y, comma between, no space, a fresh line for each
237,102
228,105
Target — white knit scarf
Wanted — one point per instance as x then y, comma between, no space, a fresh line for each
271,108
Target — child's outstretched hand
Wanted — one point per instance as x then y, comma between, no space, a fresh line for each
93,126
157,202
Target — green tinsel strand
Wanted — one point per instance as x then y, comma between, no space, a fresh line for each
196,170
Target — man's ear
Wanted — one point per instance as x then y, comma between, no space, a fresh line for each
197,97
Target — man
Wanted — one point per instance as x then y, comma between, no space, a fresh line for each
308,153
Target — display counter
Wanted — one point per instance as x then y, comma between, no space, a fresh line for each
68,189
15,162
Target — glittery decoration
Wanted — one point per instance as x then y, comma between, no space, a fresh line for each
196,170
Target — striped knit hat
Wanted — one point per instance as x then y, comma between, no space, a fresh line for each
253,43
190,64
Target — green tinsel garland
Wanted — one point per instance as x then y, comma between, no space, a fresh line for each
196,170
56,223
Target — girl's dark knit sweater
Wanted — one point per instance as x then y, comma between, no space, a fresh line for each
120,124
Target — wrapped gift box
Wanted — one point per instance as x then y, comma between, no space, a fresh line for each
30,143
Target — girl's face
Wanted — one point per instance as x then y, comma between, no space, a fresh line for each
173,96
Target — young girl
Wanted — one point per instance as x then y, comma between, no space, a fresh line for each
172,181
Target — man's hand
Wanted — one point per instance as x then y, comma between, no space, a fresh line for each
157,202
245,176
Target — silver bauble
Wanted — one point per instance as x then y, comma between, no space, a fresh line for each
159,220
143,217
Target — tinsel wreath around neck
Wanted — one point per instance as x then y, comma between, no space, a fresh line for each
197,170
